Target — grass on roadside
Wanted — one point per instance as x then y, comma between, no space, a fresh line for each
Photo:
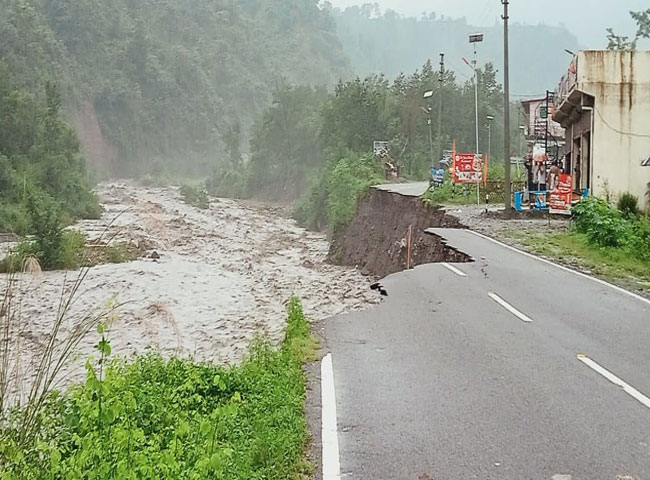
175,419
574,249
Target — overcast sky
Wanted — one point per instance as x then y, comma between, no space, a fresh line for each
587,19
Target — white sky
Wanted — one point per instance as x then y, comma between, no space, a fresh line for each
587,19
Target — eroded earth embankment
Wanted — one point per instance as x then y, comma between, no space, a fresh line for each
377,240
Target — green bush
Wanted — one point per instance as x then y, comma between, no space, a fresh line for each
439,195
157,418
117,254
333,196
347,182
68,254
195,196
628,204
14,218
228,182
311,208
72,250
50,244
603,224
606,226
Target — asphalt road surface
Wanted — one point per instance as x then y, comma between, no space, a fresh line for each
415,189
504,368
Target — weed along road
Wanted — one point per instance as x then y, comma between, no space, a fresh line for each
505,368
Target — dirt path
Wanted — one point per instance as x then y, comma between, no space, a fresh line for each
493,224
223,278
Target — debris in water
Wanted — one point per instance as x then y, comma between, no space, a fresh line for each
377,286
212,289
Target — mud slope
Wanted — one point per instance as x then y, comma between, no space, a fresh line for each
375,240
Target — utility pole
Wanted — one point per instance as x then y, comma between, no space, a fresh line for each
440,80
506,106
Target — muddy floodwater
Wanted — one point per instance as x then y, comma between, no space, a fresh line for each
223,277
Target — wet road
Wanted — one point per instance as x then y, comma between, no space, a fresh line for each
407,189
507,368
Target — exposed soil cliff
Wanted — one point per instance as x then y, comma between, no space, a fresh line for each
376,241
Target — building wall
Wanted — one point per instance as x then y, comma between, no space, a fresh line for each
620,85
578,148
537,124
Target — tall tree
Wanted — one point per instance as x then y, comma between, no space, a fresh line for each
622,42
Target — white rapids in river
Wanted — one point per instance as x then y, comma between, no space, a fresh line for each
223,278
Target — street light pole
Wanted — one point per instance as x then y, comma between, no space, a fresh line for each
427,95
474,39
489,127
440,80
506,106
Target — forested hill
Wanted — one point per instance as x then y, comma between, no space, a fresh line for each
159,84
390,43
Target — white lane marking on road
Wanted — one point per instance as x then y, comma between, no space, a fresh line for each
561,267
627,388
330,437
522,316
453,269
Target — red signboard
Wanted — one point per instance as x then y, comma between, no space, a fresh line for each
560,198
467,168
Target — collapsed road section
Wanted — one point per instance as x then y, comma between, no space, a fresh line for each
388,235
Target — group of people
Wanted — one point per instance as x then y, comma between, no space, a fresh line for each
541,178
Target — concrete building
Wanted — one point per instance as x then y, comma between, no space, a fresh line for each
541,128
603,103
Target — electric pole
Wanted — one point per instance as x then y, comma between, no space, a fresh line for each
506,107
440,80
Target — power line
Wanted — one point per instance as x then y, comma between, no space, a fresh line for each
531,95
620,132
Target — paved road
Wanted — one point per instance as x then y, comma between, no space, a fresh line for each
407,189
443,380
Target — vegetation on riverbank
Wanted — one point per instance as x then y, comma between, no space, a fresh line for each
605,241
43,181
160,418
196,196
316,146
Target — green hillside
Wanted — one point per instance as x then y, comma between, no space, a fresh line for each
156,86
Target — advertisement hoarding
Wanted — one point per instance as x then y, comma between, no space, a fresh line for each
561,197
467,168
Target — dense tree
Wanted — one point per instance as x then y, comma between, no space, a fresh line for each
297,139
40,160
285,147
170,80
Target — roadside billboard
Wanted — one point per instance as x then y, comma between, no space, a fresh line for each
380,148
467,168
560,198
